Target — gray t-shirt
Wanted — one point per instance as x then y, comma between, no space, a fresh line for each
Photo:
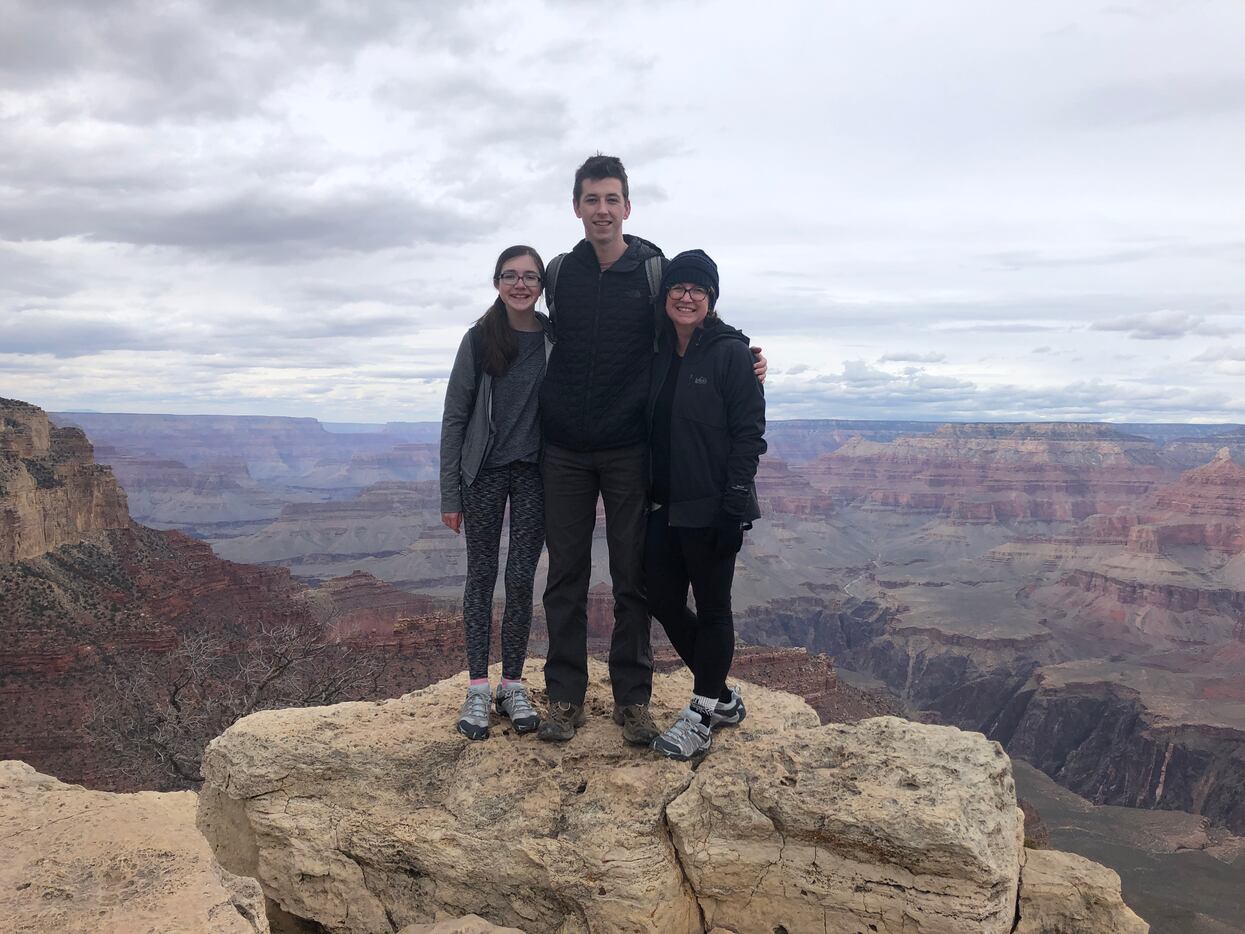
516,396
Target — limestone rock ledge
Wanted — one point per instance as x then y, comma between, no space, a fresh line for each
370,817
80,862
1066,892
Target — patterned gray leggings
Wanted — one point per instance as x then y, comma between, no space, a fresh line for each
484,503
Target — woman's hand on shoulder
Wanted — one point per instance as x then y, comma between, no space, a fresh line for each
452,521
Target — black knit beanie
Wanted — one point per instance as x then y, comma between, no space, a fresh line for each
694,267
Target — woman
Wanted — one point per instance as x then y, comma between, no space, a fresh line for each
490,446
707,427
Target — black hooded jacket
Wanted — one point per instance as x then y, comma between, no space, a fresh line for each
592,397
717,425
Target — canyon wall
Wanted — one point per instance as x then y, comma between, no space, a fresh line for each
51,490
990,473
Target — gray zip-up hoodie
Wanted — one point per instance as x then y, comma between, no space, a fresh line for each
467,431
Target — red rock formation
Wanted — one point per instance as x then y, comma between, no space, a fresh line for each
780,490
1162,596
51,490
981,474
364,606
1191,452
86,597
1163,587
1205,507
109,600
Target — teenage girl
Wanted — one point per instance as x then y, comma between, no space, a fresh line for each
490,447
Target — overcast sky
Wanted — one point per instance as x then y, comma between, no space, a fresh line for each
961,210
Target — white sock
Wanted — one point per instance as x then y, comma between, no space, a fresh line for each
704,706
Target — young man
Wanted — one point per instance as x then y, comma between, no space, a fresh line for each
592,405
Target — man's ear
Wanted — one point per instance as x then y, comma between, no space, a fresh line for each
626,209
575,206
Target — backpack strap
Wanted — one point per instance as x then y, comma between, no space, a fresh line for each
653,268
551,283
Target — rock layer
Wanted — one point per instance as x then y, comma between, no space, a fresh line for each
917,822
987,474
51,490
369,817
88,861
1066,892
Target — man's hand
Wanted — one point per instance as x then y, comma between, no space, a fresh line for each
452,521
760,364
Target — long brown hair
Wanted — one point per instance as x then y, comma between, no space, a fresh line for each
499,346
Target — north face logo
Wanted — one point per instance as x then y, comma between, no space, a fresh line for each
700,380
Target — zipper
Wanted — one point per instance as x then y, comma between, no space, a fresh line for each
652,408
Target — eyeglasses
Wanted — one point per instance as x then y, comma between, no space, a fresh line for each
510,277
696,292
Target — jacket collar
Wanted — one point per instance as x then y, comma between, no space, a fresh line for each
638,250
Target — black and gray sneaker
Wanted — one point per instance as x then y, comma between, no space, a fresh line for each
637,723
559,725
514,704
729,714
473,717
688,738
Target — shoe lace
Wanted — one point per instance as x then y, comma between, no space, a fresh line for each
562,711
684,729
639,714
518,704
476,706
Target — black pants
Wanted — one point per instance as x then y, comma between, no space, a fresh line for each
705,640
484,504
573,480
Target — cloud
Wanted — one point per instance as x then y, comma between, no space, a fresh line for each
858,375
1165,99
912,356
260,224
1034,259
863,392
244,200
132,63
1234,354
1163,325
59,335
30,279
1000,327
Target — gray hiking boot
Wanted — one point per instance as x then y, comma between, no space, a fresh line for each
688,738
729,714
559,725
473,717
514,704
637,723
